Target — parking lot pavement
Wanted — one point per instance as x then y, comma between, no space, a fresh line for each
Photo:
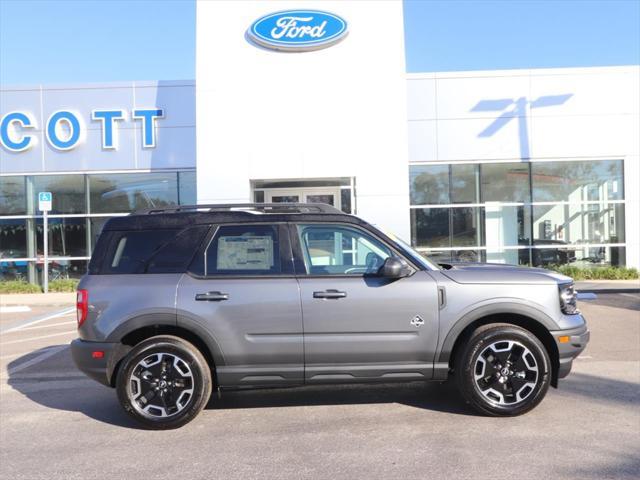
55,423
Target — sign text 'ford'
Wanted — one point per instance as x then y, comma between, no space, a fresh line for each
298,30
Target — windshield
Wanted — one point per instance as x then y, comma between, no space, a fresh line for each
415,255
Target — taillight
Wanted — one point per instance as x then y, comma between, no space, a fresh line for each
82,305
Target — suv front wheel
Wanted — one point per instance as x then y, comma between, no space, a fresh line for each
164,382
503,370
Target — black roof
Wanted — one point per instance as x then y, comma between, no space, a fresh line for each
183,216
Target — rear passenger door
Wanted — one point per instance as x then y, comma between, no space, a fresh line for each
241,292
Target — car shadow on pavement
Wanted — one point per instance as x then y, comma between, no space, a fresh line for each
64,388
430,396
600,389
56,384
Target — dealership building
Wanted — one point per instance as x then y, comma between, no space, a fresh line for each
532,167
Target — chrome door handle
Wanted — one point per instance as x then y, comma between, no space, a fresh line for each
330,294
212,296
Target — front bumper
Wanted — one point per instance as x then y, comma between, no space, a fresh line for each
98,366
570,344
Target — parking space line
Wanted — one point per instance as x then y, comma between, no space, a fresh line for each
14,308
22,340
28,323
43,356
45,326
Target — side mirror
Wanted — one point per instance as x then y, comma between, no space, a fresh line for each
393,267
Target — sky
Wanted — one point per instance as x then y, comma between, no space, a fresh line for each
75,41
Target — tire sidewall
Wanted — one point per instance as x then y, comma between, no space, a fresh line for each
477,344
199,369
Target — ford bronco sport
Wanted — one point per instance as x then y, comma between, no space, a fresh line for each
180,301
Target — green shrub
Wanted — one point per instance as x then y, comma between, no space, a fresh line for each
18,286
64,285
595,272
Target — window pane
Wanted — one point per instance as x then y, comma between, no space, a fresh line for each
345,200
62,269
505,182
507,226
464,225
13,197
67,237
578,223
337,250
96,224
13,239
68,192
187,190
577,181
429,184
129,252
430,227
455,256
464,183
244,250
580,256
14,270
175,256
132,191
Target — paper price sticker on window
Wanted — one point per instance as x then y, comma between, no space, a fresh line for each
245,253
45,199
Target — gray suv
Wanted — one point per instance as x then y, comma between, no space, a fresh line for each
180,301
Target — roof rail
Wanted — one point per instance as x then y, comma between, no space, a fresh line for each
246,207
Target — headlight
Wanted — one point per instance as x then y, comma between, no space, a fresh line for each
568,299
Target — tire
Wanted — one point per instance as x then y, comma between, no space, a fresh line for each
502,370
164,382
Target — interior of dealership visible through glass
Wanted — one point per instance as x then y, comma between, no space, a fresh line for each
82,203
536,213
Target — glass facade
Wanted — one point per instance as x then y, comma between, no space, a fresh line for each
82,204
533,213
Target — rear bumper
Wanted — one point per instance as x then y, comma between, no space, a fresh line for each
98,367
570,344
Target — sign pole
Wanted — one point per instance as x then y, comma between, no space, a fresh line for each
45,236
45,202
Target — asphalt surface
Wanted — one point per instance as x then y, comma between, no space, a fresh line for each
55,423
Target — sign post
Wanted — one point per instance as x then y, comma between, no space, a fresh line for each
45,199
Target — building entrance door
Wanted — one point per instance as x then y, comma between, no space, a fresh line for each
328,195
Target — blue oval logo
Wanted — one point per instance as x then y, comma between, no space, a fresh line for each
298,30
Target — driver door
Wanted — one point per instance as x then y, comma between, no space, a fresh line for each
358,325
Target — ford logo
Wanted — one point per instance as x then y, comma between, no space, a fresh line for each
298,30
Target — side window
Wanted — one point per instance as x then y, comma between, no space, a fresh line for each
243,250
340,250
130,251
175,255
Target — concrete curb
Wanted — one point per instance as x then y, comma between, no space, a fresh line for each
608,290
608,286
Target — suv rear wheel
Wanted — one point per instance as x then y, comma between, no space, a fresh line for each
503,370
164,382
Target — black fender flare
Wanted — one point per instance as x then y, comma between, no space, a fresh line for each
500,308
170,321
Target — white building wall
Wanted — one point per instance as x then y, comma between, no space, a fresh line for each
336,112
549,114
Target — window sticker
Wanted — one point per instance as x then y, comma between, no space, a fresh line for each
245,253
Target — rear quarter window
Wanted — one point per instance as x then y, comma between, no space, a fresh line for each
131,251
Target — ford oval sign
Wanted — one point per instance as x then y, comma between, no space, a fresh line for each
298,30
